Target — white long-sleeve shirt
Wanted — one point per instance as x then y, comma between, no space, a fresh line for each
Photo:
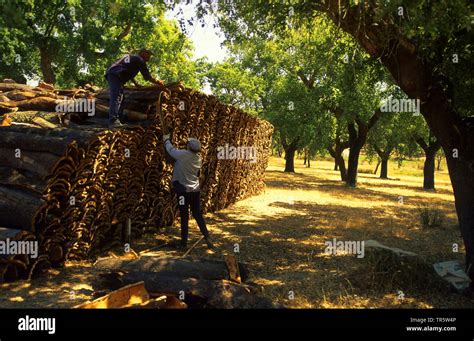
186,168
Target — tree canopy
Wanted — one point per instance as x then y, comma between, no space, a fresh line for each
39,38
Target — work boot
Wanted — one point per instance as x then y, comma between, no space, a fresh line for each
209,243
116,124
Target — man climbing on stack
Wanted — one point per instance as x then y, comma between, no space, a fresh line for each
186,185
119,73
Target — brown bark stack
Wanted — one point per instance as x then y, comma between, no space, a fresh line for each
79,185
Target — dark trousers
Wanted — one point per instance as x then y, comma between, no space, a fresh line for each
116,98
186,200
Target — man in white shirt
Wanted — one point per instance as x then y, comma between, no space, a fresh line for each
186,185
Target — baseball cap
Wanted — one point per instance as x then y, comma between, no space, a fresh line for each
194,145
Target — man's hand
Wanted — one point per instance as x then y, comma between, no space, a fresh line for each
157,82
166,137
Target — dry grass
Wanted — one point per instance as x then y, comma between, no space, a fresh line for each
281,235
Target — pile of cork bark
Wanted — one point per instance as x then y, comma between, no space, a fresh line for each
79,188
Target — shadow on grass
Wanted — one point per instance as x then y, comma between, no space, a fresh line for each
305,182
287,249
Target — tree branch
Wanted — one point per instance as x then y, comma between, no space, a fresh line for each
421,142
125,32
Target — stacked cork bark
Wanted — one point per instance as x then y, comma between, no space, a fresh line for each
94,180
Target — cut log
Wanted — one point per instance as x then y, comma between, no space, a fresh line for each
6,107
162,302
12,176
173,303
71,92
30,116
17,208
233,268
41,103
128,295
23,116
68,135
12,233
23,125
178,267
37,143
20,95
202,293
132,115
43,123
130,94
45,86
15,86
36,162
5,120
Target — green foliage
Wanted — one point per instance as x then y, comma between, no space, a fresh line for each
440,30
235,85
392,136
78,39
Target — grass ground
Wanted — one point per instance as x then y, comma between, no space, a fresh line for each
281,235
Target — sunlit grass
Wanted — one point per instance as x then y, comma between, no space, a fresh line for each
281,235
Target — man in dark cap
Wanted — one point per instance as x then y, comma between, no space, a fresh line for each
186,185
119,73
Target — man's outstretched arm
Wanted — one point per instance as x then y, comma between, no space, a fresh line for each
146,74
172,150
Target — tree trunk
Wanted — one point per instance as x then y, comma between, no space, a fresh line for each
309,163
429,171
339,162
384,169
46,60
462,179
377,167
417,78
342,167
429,167
352,166
290,159
357,139
439,159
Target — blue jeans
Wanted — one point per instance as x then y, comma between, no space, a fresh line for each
116,98
185,201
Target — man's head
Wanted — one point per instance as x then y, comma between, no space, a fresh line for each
145,54
194,145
